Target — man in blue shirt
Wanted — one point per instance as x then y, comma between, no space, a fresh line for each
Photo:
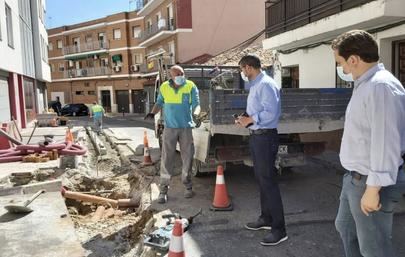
179,99
262,115
372,144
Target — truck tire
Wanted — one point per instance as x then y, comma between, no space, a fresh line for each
196,168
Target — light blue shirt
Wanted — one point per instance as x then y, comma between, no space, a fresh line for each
374,132
264,104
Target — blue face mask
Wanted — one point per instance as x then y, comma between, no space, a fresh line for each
180,80
346,77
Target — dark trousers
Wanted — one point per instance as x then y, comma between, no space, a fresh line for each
264,149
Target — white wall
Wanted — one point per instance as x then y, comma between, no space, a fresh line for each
13,56
316,67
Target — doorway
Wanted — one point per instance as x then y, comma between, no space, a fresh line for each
122,97
139,100
106,100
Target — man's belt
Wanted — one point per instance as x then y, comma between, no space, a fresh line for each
262,131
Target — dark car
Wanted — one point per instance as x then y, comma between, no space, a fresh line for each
75,110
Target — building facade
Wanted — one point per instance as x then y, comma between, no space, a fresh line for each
24,68
300,31
114,60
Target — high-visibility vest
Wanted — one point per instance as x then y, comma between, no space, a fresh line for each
97,108
171,96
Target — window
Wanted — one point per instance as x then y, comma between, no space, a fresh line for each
86,84
92,92
50,46
136,32
290,77
52,68
59,42
117,34
79,92
137,58
61,67
9,25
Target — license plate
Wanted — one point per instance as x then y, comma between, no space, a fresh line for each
282,149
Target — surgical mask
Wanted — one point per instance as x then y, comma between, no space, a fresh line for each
180,80
246,79
346,77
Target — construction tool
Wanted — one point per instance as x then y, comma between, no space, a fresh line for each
160,238
23,208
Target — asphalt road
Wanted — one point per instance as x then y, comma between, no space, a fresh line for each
310,195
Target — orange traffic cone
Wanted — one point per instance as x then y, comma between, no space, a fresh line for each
176,248
69,136
221,200
147,160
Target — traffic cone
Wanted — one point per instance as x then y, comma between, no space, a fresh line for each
147,160
221,200
176,248
69,136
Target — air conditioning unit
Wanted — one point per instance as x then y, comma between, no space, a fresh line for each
117,68
135,67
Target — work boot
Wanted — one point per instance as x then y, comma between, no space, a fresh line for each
260,224
188,193
274,238
162,198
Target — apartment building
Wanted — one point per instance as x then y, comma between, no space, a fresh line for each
300,31
24,68
114,60
97,61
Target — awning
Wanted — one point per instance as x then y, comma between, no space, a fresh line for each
117,58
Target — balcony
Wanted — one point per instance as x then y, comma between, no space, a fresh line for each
285,15
157,32
295,23
87,72
96,47
149,6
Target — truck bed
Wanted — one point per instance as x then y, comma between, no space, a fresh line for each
302,110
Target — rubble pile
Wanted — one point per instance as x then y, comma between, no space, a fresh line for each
231,57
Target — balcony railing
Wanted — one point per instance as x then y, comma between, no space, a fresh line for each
86,47
162,25
87,72
285,15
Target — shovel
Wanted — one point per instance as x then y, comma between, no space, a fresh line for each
23,208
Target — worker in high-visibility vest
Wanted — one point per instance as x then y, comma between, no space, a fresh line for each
180,100
97,112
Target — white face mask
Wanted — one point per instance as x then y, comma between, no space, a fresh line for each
246,79
346,77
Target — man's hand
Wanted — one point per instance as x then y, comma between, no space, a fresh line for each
149,116
370,201
245,121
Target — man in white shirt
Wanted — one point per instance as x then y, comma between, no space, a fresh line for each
372,145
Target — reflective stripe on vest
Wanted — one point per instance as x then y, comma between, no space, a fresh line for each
170,95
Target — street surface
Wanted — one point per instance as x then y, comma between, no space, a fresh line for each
310,195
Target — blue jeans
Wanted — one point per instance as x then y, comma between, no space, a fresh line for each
264,150
367,236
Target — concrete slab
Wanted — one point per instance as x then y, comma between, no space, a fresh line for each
136,135
7,168
41,233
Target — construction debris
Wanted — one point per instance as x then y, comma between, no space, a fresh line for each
253,45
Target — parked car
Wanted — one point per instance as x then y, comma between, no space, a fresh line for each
75,110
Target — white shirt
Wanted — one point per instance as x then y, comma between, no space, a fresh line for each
374,132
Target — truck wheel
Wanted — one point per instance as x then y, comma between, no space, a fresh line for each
196,168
